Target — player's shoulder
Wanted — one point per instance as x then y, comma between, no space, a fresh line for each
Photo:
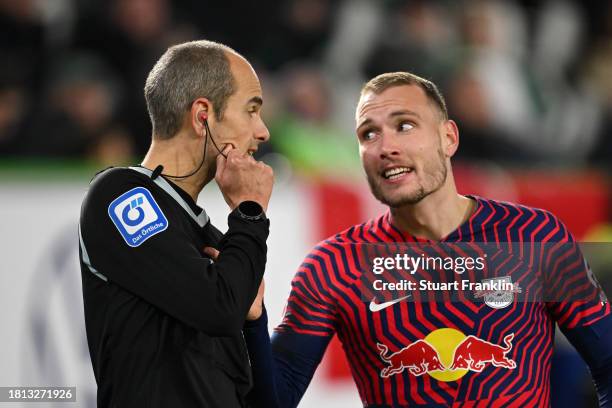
355,234
345,239
333,256
516,210
525,222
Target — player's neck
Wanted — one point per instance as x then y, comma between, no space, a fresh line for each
436,216
179,157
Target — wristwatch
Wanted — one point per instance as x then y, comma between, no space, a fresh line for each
251,211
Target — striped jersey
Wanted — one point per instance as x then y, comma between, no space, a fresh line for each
490,351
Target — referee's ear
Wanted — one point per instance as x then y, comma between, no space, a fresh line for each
450,137
201,110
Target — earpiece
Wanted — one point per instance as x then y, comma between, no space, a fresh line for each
202,117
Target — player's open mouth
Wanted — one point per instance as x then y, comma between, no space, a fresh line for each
396,172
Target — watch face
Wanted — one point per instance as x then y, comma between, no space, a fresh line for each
250,210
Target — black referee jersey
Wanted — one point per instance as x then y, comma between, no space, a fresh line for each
163,320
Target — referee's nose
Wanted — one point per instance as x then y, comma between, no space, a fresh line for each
262,134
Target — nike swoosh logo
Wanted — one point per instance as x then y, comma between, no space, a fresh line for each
377,307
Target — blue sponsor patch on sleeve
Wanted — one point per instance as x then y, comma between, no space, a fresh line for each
137,216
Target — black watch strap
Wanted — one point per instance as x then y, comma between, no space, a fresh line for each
250,210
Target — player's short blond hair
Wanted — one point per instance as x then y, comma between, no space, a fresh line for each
382,82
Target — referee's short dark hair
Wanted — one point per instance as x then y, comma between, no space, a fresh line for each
184,73
382,82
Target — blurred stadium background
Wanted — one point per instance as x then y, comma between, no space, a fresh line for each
529,83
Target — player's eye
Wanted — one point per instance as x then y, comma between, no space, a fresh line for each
367,135
405,126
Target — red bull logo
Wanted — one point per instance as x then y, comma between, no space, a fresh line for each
474,354
447,355
419,358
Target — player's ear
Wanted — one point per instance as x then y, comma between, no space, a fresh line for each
201,110
450,137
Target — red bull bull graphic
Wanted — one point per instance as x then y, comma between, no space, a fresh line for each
446,355
419,358
474,354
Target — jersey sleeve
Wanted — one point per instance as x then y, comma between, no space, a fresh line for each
163,266
580,307
574,296
594,343
284,366
311,307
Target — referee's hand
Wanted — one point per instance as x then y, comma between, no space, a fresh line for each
257,307
242,178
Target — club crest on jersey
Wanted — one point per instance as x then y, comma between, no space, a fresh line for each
137,216
498,299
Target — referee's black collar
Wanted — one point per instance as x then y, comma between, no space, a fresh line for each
184,195
188,199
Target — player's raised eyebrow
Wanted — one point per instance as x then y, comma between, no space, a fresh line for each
404,112
365,122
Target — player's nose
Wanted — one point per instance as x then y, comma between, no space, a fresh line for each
389,145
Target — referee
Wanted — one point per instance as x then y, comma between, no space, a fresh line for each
163,314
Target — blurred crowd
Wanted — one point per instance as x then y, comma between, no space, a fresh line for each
529,82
